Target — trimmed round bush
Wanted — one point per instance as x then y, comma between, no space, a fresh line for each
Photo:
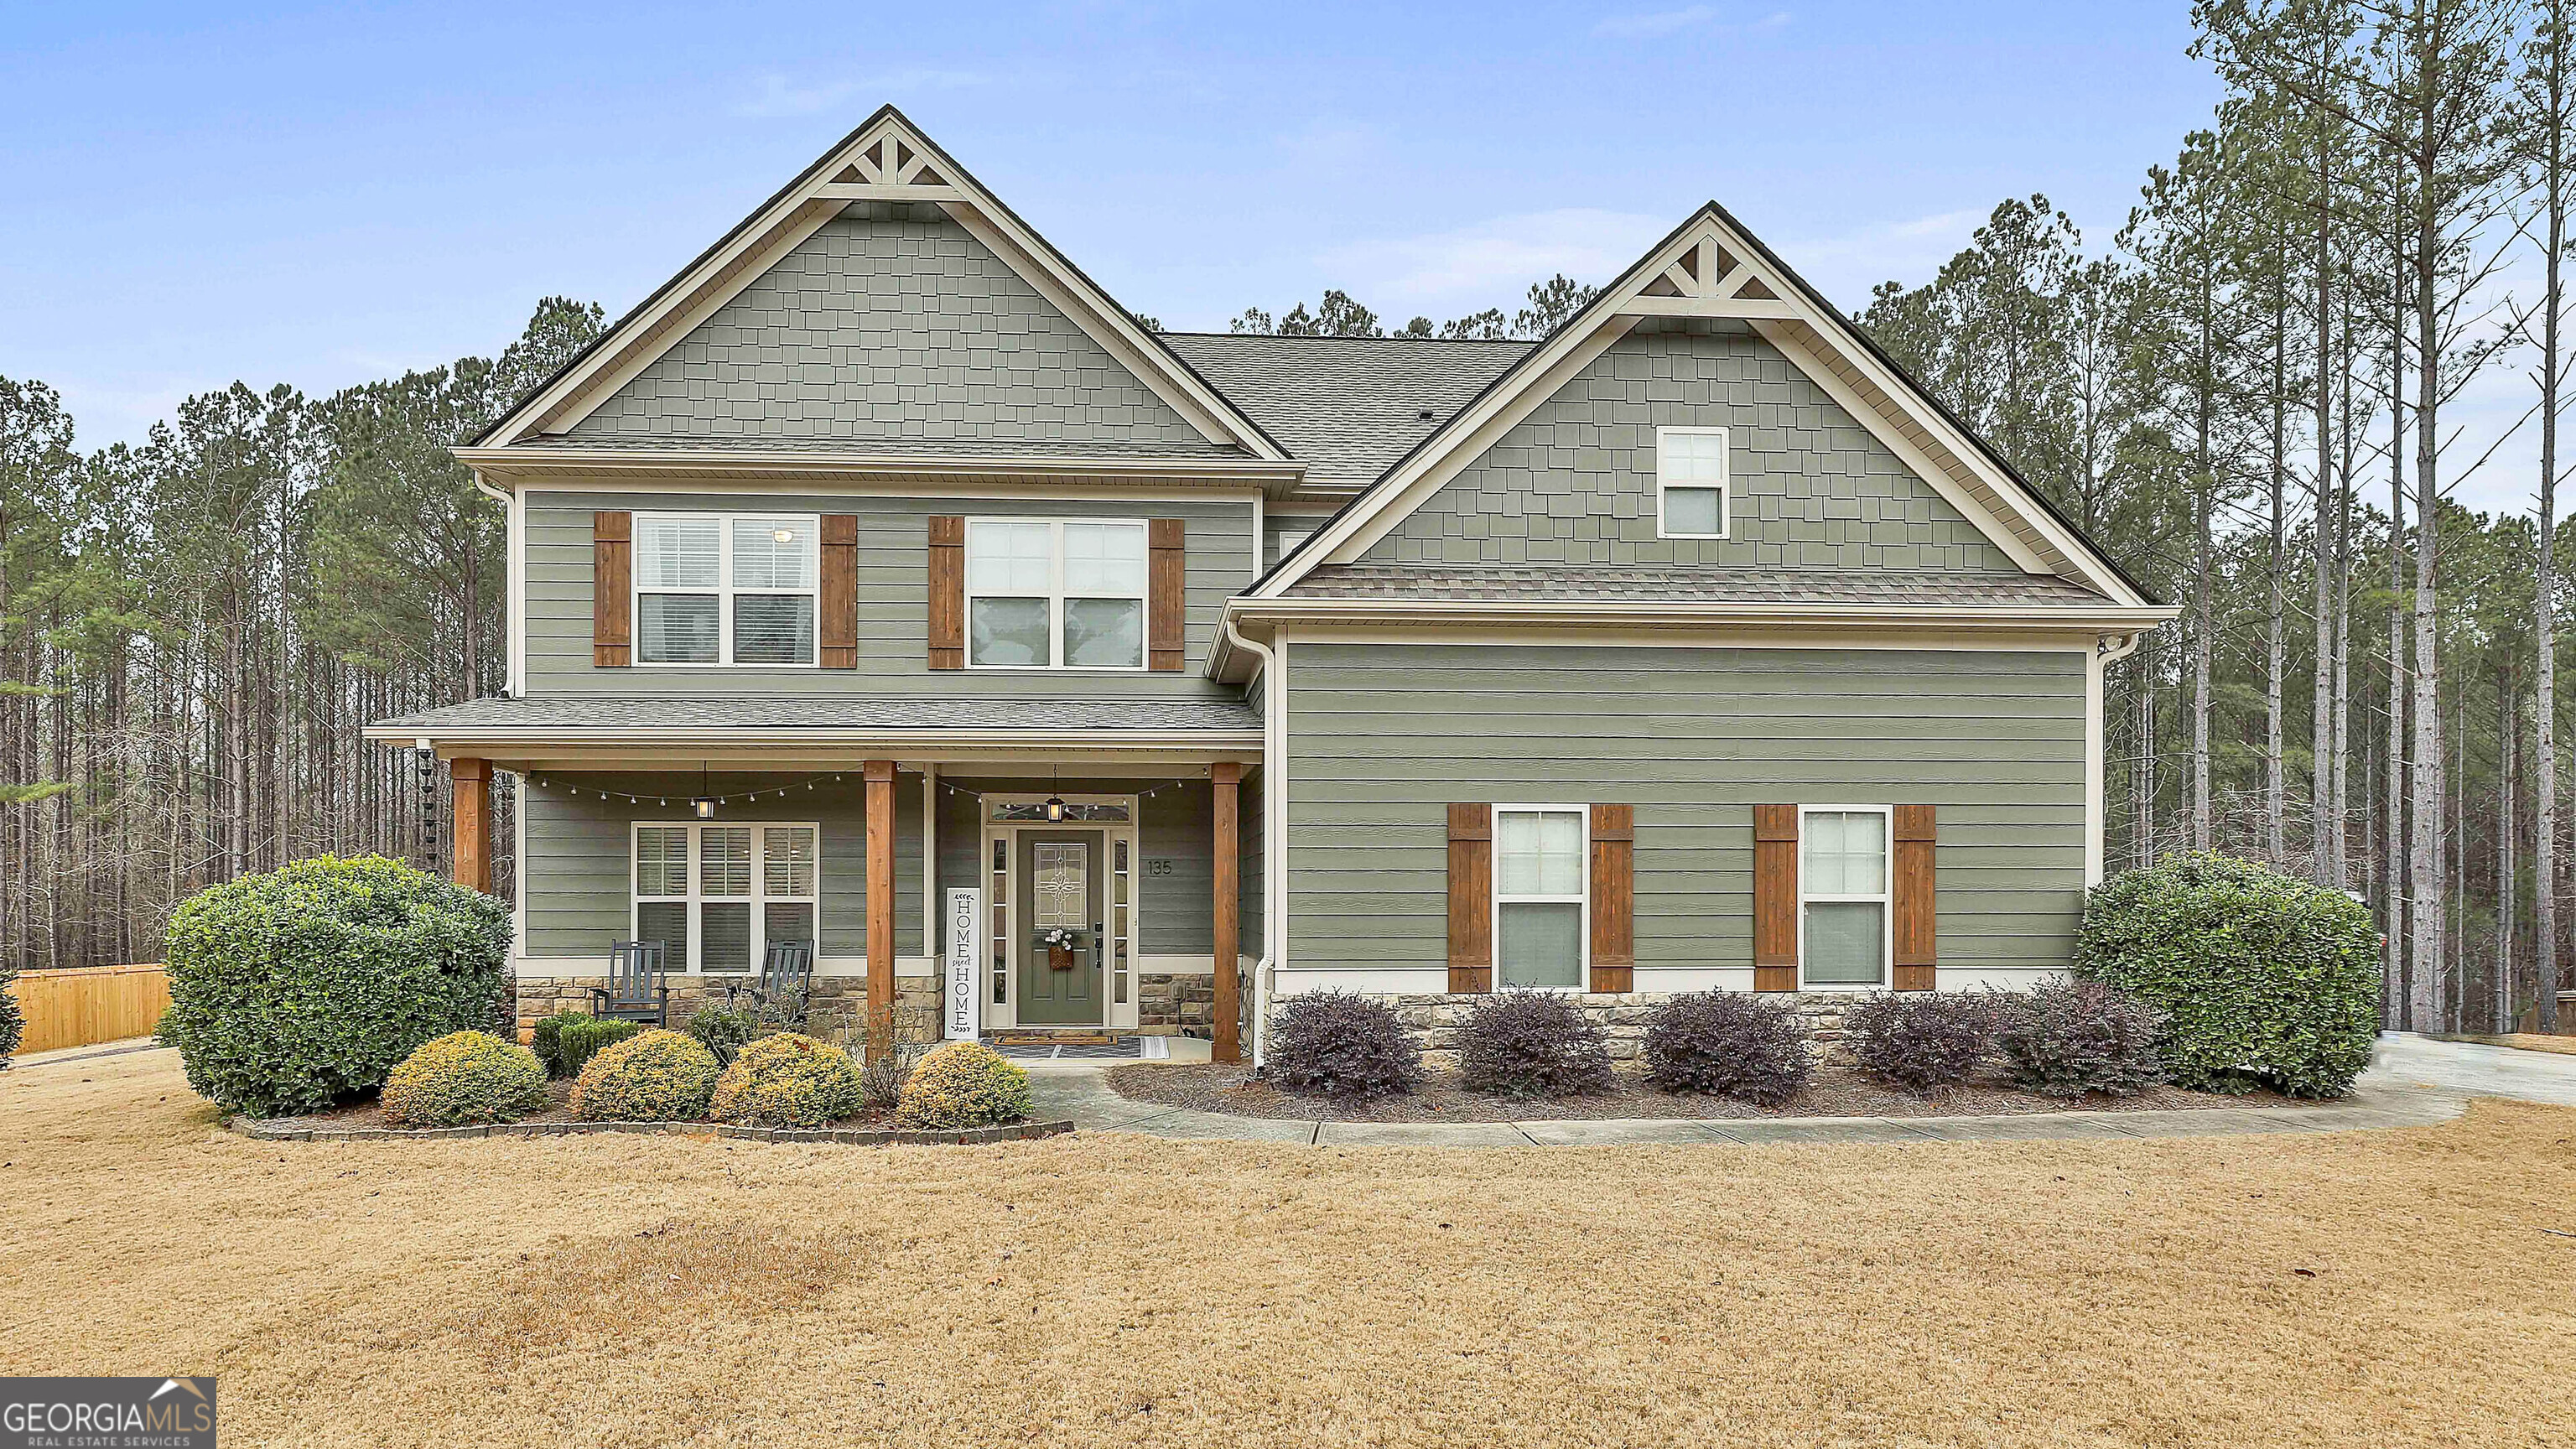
787,1080
1532,1044
465,1076
1729,1044
724,1032
2067,1038
1340,1046
2263,978
303,987
1923,1041
653,1076
964,1084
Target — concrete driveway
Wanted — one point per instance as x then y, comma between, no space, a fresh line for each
2413,1063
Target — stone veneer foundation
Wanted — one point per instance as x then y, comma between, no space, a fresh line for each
1433,1021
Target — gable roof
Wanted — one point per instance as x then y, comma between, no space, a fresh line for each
887,159
1348,406
1710,266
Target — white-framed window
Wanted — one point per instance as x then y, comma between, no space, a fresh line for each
1691,491
1288,541
1055,593
1844,917
1542,896
715,588
715,896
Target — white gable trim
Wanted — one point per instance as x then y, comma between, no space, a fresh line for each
891,161
1710,268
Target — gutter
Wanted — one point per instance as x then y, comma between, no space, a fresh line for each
1274,824
1690,614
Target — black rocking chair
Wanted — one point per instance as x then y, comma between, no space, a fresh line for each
635,989
785,986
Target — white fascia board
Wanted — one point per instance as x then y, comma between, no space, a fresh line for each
2109,618
514,464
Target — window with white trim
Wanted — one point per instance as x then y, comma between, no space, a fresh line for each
1843,916
1690,483
725,589
1055,593
1542,896
716,896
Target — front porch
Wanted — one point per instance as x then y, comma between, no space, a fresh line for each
1106,894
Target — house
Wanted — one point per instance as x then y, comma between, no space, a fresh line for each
881,582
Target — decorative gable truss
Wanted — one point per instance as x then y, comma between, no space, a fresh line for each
887,159
1711,267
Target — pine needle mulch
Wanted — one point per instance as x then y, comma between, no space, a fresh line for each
2383,1288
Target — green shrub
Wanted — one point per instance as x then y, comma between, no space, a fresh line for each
653,1076
786,1080
582,1037
13,1024
543,1039
2262,978
465,1076
724,1032
2065,1038
964,1084
303,987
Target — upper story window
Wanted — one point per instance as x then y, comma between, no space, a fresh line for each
1690,483
1055,594
725,589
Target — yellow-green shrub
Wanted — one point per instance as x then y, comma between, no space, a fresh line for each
464,1076
654,1076
964,1084
786,1080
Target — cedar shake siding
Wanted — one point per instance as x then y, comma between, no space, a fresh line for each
1574,482
1385,738
892,588
889,331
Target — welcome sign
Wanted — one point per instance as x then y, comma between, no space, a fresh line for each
965,975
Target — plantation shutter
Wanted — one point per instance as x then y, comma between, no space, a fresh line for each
1912,894
948,592
612,580
1164,623
1775,897
1614,897
1471,898
837,597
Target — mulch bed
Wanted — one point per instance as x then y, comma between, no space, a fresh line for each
1832,1092
365,1113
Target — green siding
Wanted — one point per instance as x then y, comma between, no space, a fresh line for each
879,328
893,606
1383,737
1574,482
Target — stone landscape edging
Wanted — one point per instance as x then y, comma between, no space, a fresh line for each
853,1136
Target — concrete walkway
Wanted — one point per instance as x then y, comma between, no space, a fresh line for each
2413,1082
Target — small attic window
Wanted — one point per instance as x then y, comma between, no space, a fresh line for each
1690,483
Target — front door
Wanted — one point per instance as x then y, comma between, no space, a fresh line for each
1060,880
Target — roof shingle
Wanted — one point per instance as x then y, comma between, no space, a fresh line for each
1347,406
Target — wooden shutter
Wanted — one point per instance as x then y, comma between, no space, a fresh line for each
1911,892
612,580
1471,898
1614,897
837,595
948,592
1164,622
1775,897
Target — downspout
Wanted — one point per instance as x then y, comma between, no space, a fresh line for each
513,628
1274,832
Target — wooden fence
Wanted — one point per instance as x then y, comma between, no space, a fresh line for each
92,1004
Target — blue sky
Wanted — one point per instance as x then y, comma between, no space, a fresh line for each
319,195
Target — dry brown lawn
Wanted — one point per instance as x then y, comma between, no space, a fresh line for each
2384,1288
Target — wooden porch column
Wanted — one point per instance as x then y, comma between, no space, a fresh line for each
1223,780
880,778
471,842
